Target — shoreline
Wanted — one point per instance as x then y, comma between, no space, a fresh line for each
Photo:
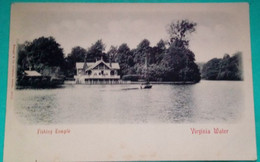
139,82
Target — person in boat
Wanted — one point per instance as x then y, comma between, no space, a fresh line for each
145,85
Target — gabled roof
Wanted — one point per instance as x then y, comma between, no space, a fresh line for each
31,73
91,65
115,66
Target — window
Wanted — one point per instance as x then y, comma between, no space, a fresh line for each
112,72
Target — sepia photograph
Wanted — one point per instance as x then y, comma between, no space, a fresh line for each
176,71
114,66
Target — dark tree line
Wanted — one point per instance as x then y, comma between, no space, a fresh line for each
227,68
39,53
167,61
43,55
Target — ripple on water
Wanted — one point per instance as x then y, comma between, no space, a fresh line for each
205,102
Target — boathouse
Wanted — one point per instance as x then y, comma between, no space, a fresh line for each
32,74
99,72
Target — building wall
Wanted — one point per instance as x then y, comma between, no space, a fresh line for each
97,73
100,72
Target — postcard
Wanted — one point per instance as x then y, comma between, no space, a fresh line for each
129,82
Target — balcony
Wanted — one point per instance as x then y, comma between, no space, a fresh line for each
98,76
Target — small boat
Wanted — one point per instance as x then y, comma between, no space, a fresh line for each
146,85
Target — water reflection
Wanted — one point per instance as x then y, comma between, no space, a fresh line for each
182,104
39,108
203,102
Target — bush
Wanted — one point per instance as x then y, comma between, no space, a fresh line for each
227,68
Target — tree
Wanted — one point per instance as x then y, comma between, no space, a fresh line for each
142,50
179,60
157,53
45,56
125,58
210,70
180,31
96,51
40,53
22,61
227,68
78,54
180,65
112,53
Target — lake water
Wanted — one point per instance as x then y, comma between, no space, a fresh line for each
205,102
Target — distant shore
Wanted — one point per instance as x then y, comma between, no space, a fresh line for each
139,82
72,81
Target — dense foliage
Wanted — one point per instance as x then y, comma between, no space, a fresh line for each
227,68
77,55
180,31
170,60
43,55
40,53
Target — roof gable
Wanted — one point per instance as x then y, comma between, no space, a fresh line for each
115,66
98,63
91,65
32,73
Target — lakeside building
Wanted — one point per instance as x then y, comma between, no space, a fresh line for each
32,78
98,72
32,74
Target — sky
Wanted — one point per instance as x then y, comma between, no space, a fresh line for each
221,28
